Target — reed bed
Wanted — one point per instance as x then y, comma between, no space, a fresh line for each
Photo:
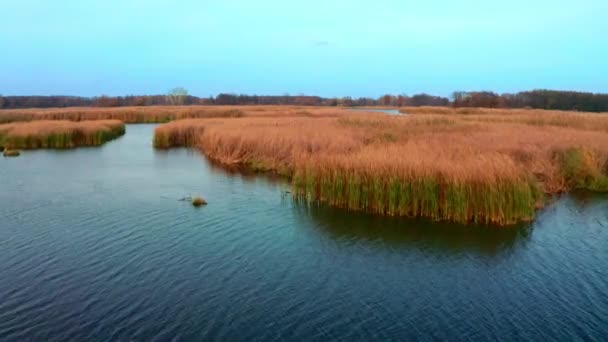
536,117
59,134
163,114
445,167
477,111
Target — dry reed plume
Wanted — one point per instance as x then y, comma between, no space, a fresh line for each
59,134
483,168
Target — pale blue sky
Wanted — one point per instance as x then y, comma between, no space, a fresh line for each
321,47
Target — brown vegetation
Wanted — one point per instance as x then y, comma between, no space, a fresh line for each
161,114
486,168
59,134
536,117
480,111
153,114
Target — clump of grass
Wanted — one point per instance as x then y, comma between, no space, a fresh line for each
198,201
11,153
59,134
582,169
502,203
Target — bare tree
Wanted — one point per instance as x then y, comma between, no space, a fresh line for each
177,96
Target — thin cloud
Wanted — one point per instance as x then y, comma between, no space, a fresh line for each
320,43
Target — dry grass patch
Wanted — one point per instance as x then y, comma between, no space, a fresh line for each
59,134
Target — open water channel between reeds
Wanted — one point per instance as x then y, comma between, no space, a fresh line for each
95,245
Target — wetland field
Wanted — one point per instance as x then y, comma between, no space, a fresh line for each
320,223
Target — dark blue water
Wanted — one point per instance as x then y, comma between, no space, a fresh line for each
95,246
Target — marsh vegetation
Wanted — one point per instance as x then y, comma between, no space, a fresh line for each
159,114
484,167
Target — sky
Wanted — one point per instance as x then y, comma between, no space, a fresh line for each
314,47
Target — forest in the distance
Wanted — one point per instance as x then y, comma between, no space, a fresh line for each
540,99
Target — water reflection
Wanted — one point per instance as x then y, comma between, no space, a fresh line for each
242,172
400,232
588,200
214,168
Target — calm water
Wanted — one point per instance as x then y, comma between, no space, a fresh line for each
95,246
385,111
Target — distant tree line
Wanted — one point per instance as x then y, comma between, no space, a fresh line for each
179,96
542,99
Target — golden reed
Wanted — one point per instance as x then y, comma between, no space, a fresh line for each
489,168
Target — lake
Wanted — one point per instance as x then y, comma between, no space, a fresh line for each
96,246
